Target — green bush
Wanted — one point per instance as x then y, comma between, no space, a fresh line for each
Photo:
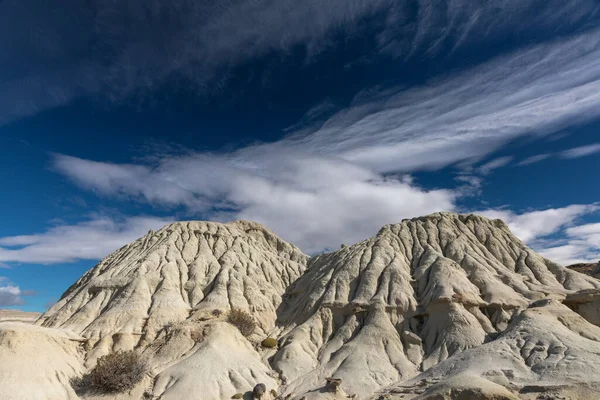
237,396
114,373
243,321
269,343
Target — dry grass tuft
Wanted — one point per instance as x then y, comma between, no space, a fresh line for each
114,373
243,321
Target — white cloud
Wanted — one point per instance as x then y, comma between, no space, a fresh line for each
466,117
88,240
534,159
314,202
494,164
116,48
318,189
581,245
322,186
534,225
582,151
10,295
553,232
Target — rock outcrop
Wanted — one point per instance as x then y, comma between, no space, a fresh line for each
170,276
440,307
591,269
18,316
413,296
38,363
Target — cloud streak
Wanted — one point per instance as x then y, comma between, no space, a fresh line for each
90,240
582,151
466,117
534,159
114,49
341,180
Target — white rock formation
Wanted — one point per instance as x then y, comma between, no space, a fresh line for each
417,293
436,307
18,316
38,363
167,276
547,347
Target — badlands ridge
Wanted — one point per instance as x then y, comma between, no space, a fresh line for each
440,307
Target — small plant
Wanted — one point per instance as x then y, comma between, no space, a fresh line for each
216,312
274,393
197,335
269,343
243,321
237,396
114,373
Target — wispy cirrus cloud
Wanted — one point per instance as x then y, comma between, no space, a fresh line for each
468,116
314,184
534,159
113,49
496,163
88,240
581,151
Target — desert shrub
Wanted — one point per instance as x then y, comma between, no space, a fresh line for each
115,373
237,396
269,343
216,312
243,321
197,335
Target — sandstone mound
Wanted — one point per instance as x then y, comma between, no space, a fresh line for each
419,292
38,363
440,307
547,347
167,276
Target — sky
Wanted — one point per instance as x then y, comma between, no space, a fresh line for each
323,123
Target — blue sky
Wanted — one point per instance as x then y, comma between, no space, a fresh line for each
323,123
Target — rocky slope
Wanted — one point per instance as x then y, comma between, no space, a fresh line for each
174,275
436,307
18,316
38,363
416,294
591,269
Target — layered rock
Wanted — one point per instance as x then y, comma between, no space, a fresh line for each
18,316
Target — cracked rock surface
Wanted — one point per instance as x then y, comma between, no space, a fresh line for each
445,306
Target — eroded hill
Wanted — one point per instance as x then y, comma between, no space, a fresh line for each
436,307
